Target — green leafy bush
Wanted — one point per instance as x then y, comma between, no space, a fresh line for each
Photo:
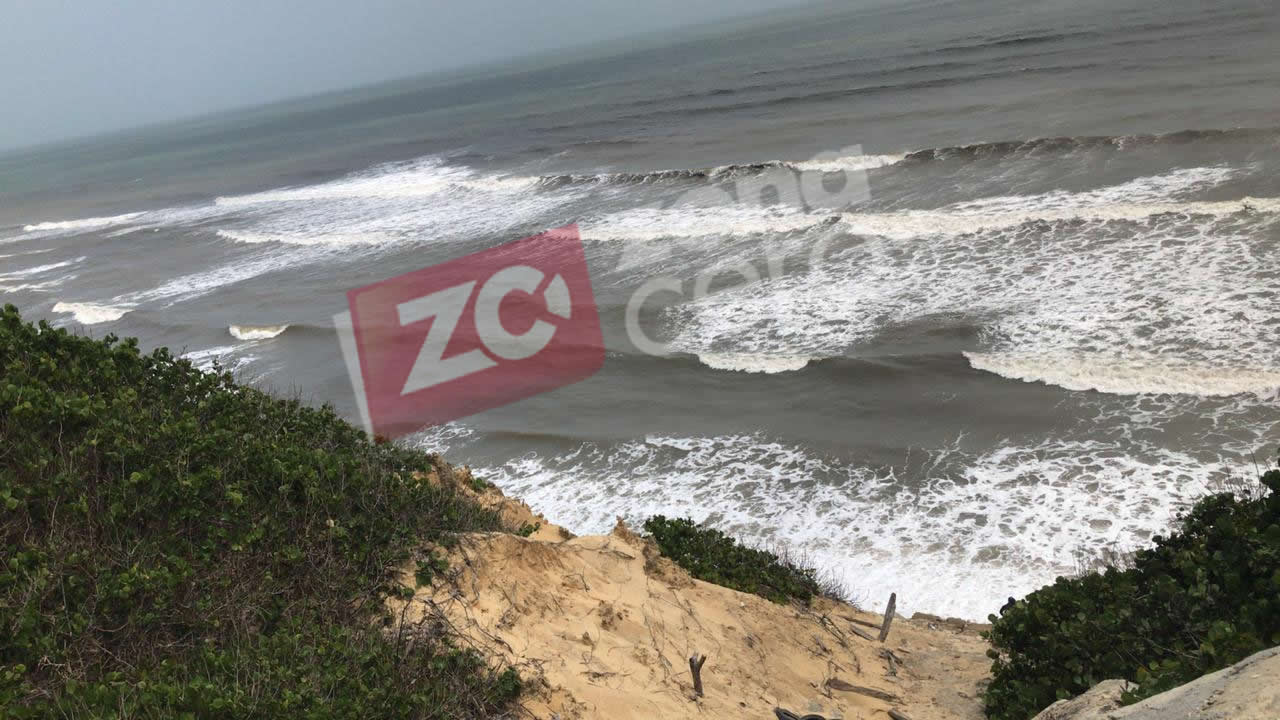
710,555
1203,598
175,544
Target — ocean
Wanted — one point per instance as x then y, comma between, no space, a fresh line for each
1020,311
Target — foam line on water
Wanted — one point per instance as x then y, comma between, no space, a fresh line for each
26,278
195,284
230,357
709,214
1125,375
258,238
29,272
911,224
977,529
77,225
1188,288
645,224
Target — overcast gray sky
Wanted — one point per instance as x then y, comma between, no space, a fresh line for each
78,67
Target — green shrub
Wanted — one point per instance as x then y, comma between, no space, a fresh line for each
175,544
1203,598
710,555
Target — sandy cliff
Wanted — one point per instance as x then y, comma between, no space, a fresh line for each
603,627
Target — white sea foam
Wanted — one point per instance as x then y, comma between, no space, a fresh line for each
40,286
192,285
30,272
230,357
258,238
978,529
80,224
852,163
646,224
35,251
1188,285
419,179
362,212
30,278
256,332
441,438
1136,200
767,364
423,201
92,313
716,214
966,218
1125,375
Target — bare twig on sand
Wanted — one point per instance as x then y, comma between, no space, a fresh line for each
888,616
695,668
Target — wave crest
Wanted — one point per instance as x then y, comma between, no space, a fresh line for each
92,313
1067,145
1125,376
81,224
851,163
766,364
256,332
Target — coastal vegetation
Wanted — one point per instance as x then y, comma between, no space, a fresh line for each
1200,599
710,555
179,545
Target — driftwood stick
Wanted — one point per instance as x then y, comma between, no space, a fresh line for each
695,668
842,686
865,623
898,715
860,633
888,616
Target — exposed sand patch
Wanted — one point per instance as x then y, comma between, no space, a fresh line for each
603,627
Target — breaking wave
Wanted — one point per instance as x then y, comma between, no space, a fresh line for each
1126,376
422,178
1049,146
957,220
81,224
766,364
256,332
92,313
1138,200
1069,145
851,163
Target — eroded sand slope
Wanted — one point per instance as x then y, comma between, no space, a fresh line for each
603,627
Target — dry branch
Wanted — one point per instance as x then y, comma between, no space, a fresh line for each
860,633
888,616
838,684
695,668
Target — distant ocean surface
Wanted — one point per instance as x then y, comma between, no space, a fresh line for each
1049,323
